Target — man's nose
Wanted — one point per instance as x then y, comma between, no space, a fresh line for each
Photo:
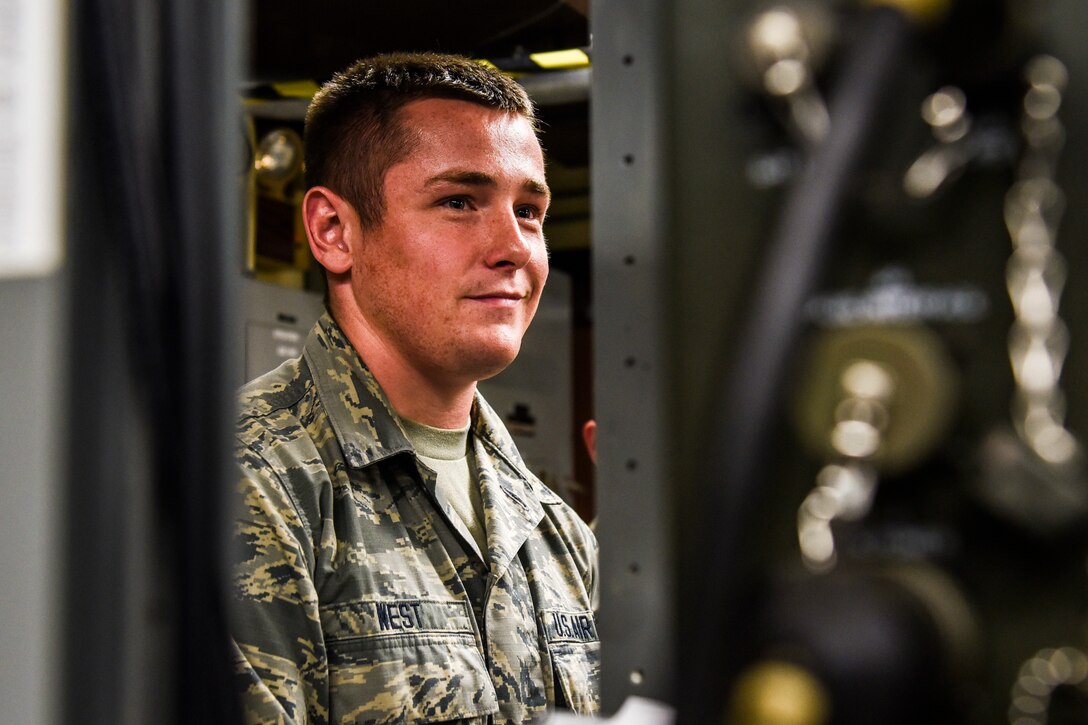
509,243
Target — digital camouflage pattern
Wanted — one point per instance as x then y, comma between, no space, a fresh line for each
358,596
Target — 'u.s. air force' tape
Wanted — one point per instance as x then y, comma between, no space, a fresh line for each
568,626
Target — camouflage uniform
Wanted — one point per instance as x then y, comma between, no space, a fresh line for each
359,598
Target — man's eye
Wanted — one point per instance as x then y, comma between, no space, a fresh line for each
528,212
457,204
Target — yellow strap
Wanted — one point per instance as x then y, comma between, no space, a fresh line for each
296,89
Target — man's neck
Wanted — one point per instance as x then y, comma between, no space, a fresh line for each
412,398
413,393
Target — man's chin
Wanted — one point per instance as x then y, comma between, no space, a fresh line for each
490,362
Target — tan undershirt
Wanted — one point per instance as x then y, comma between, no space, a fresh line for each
447,453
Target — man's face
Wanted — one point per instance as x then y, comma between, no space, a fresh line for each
451,278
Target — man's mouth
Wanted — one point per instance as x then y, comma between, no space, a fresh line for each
511,295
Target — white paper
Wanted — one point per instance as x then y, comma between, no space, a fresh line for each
33,46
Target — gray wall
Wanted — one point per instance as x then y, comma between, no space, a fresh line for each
31,447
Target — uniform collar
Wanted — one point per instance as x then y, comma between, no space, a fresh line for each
362,419
368,430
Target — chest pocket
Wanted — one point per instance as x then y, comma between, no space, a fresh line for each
575,652
404,661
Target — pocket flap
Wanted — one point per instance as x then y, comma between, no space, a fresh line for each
576,657
405,660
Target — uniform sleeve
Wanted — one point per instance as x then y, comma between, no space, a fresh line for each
594,583
279,649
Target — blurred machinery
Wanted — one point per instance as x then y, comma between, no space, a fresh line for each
835,252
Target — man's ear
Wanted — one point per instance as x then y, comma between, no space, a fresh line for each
331,225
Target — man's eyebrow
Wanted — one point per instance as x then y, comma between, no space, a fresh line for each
537,187
479,178
468,178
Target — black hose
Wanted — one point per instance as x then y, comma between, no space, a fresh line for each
713,637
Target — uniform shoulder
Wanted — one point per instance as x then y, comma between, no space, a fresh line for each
275,403
282,447
578,541
566,518
280,387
